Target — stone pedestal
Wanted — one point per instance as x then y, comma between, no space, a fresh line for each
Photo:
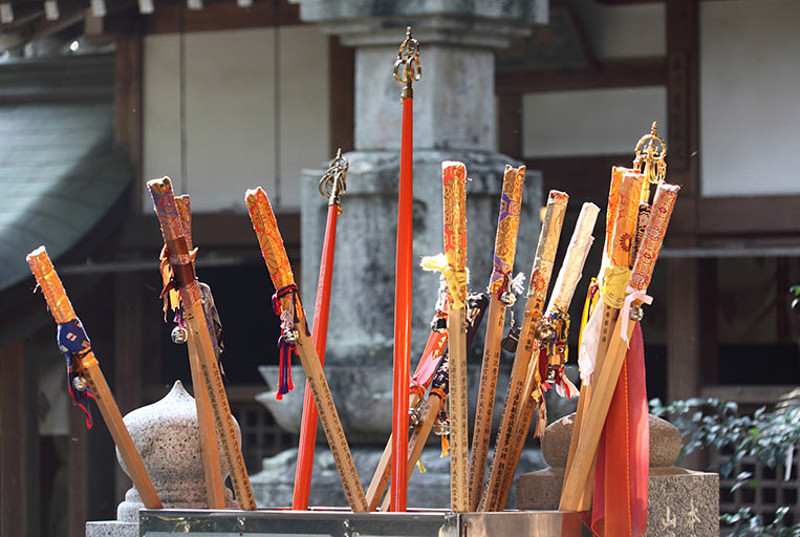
681,503
166,436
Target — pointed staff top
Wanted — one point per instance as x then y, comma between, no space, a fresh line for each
407,68
651,154
332,184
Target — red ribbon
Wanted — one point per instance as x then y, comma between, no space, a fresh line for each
623,459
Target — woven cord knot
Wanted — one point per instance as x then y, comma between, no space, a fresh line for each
287,342
74,344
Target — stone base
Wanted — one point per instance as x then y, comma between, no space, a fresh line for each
112,528
681,502
274,485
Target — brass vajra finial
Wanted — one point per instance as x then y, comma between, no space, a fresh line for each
407,68
651,152
333,185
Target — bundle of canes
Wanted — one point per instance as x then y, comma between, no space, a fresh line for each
541,272
332,186
84,374
547,363
431,410
426,367
296,338
606,377
205,369
605,297
501,295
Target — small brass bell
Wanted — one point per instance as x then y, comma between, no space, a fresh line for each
179,335
441,427
545,332
636,314
79,384
511,341
290,336
551,372
414,415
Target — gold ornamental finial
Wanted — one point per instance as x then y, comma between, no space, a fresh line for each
333,184
407,68
651,153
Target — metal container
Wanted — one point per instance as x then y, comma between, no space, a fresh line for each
341,523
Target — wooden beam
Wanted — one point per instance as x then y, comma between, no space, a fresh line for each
220,16
210,230
609,74
341,65
737,217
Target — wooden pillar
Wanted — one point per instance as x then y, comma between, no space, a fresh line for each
341,62
19,444
128,353
77,473
683,275
509,124
128,107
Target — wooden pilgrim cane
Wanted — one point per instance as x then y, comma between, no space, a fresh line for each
295,336
84,374
501,296
332,186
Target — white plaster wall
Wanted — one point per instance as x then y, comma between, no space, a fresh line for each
231,113
624,31
750,105
590,122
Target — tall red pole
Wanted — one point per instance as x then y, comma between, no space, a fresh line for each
331,186
406,70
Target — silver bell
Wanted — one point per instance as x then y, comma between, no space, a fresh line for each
179,335
441,427
551,372
414,415
79,384
290,336
545,332
636,314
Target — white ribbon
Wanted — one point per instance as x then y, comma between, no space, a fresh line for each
624,314
590,341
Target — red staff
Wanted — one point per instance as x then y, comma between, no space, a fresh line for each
332,186
406,70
